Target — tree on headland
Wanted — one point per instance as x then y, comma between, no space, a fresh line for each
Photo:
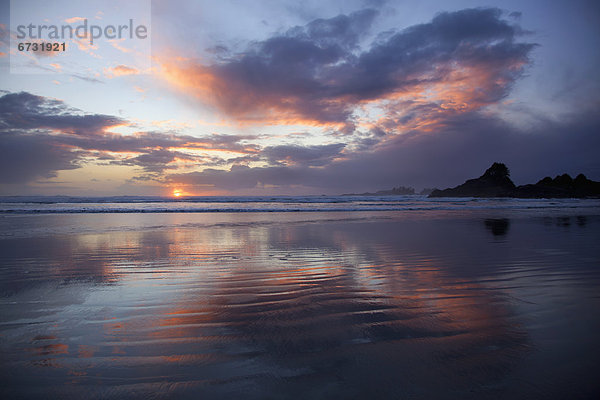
497,171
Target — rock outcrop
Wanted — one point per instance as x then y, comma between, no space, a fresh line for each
560,187
496,182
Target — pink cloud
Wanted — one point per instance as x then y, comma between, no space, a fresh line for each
74,19
120,70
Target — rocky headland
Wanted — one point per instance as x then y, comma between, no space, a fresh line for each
496,182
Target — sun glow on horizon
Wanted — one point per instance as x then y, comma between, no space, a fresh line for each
177,192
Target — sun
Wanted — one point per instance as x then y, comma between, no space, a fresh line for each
177,192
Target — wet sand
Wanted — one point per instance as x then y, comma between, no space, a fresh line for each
459,304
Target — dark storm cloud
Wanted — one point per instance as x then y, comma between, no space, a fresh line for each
318,73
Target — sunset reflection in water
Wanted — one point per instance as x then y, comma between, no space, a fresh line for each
376,306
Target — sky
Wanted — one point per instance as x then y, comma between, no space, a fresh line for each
297,98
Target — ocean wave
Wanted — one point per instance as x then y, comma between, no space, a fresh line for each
202,199
128,204
85,210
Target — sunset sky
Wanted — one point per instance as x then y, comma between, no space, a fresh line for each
288,97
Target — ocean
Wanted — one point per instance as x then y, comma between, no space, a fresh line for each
153,204
313,297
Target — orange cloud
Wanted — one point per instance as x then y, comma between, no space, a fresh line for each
74,19
302,78
120,70
115,44
84,45
449,88
241,102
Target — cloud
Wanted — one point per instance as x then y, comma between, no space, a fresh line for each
234,143
156,161
116,44
4,40
302,155
74,19
467,145
24,158
120,70
242,177
42,45
86,78
26,111
319,74
30,147
41,136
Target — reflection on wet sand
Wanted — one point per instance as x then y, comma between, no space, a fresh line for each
498,226
337,309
